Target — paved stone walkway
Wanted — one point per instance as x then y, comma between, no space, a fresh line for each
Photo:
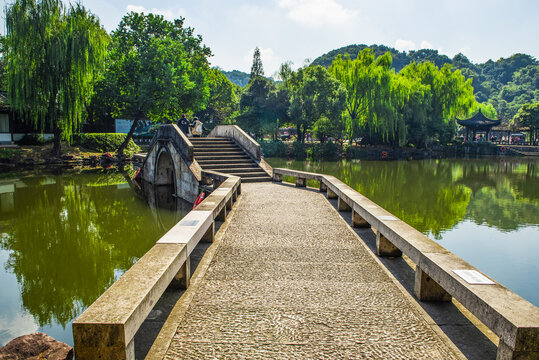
289,280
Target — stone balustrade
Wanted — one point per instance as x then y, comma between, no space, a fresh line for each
513,319
107,328
240,136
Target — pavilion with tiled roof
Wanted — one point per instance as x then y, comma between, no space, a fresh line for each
478,122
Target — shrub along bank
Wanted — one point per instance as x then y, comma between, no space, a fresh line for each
85,150
334,151
104,142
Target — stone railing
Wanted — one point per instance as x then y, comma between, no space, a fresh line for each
179,140
514,320
107,328
240,136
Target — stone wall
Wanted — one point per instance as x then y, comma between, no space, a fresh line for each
170,162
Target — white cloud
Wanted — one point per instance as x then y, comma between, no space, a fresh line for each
268,57
426,45
318,13
404,45
168,14
16,324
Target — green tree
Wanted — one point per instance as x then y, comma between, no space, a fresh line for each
314,94
263,107
256,69
257,104
449,96
156,69
223,101
528,116
375,96
3,70
53,56
487,109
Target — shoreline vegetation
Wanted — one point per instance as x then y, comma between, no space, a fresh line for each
26,156
331,151
83,150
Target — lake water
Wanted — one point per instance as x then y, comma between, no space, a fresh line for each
64,239
485,210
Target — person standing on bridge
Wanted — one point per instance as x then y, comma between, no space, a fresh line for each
197,127
183,124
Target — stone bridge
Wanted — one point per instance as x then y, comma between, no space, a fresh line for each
298,272
174,159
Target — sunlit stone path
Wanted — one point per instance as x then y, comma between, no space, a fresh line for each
288,279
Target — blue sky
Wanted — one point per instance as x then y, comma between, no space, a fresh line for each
296,30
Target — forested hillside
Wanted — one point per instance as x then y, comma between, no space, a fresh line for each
507,83
237,77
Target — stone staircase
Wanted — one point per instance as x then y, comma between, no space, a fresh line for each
224,155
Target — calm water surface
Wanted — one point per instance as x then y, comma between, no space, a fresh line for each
66,238
486,211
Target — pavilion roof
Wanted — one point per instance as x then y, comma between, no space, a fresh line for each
479,121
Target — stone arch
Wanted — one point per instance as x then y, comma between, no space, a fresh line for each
164,171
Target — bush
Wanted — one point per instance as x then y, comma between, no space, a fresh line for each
353,152
298,151
9,153
104,142
273,148
326,151
31,139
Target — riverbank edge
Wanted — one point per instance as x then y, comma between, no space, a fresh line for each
333,151
28,157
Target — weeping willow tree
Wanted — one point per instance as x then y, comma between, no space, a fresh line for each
53,56
419,103
448,96
375,96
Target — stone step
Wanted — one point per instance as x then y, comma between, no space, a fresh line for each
225,162
220,167
219,152
213,146
222,157
245,175
211,141
217,148
238,169
256,179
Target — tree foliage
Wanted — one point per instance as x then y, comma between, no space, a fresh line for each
257,69
528,116
156,69
314,94
237,77
263,107
447,96
374,95
420,102
507,83
53,55
223,101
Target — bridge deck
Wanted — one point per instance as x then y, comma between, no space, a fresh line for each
289,279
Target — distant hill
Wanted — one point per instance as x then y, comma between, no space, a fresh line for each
237,77
507,83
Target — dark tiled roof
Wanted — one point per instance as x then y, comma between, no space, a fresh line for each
479,120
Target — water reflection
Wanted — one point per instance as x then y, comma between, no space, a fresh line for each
435,195
69,237
162,202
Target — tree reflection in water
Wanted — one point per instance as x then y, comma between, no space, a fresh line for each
71,236
434,195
